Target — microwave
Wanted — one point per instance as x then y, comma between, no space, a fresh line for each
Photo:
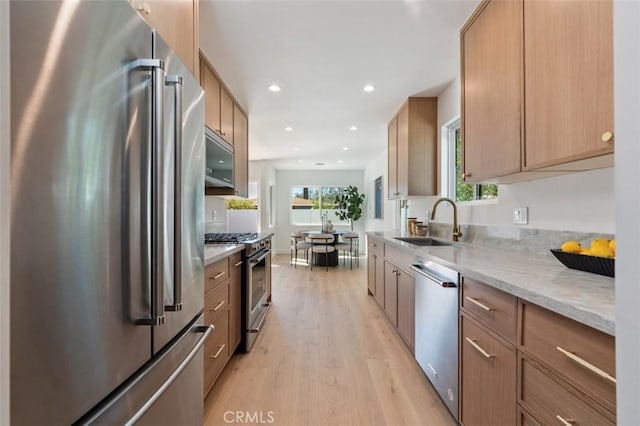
219,165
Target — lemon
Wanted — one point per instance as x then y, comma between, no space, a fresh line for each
586,252
571,247
612,247
600,242
601,251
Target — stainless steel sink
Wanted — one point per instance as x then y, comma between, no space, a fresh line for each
424,241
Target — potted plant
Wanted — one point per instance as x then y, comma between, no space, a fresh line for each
349,204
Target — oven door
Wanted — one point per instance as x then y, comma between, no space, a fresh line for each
258,281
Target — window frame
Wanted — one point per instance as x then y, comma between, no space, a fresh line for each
448,166
334,220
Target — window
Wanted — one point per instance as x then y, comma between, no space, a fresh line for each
309,203
452,170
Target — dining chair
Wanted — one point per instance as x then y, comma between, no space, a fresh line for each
321,244
298,242
350,244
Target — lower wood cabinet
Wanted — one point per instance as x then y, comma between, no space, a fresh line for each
391,292
488,377
375,269
407,308
223,309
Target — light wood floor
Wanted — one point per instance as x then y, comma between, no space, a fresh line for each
327,356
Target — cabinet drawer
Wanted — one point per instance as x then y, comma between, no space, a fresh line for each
215,302
488,367
525,419
565,345
550,402
215,274
216,350
235,260
495,308
399,257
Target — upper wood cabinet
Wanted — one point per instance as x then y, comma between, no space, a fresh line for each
240,152
537,89
568,64
218,111
412,149
492,91
177,22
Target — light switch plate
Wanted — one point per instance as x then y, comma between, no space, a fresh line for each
521,215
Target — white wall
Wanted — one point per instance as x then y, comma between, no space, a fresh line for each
4,212
627,175
375,169
264,175
581,202
285,179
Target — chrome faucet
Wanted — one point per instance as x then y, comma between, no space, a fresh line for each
456,232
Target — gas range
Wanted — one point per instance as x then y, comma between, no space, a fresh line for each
252,241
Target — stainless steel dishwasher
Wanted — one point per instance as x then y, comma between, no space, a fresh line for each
436,338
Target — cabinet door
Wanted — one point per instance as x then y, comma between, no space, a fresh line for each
379,293
402,167
569,80
492,91
240,152
391,292
371,271
235,301
406,307
226,116
211,87
490,373
392,159
175,22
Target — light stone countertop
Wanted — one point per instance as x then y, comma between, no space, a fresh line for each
215,252
585,297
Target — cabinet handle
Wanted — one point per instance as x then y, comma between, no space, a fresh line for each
565,422
218,306
479,349
217,276
482,305
218,353
237,264
222,133
587,365
607,137
466,175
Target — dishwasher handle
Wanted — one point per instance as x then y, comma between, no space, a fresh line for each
442,282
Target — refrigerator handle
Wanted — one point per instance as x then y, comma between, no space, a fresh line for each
156,66
176,82
206,330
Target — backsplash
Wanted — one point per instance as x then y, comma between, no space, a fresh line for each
513,238
215,214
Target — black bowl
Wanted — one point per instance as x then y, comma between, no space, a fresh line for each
596,265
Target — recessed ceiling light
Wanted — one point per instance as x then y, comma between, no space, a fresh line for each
289,129
220,161
369,88
276,88
300,161
353,128
345,148
319,164
295,148
340,161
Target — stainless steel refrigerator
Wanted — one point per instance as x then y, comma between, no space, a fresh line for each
107,186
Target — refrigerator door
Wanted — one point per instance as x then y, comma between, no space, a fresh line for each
167,391
79,205
183,232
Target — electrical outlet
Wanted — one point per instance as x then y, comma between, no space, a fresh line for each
521,215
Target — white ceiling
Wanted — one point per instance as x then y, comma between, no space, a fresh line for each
322,54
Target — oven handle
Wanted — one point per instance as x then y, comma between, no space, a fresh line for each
254,262
266,307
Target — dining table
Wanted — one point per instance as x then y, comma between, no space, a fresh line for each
326,259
